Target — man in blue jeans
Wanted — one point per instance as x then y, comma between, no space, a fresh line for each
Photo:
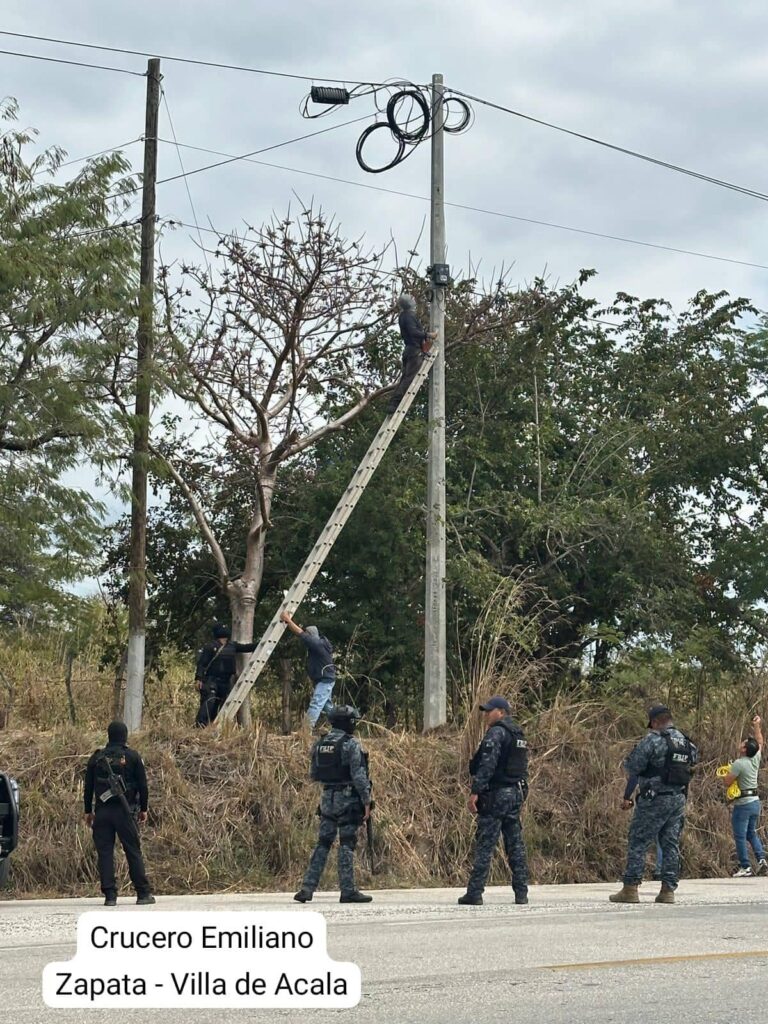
746,808
320,667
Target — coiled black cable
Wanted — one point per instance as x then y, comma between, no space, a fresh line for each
408,117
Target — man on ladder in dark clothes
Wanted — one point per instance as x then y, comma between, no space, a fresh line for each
416,341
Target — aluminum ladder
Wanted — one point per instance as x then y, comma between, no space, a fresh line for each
317,556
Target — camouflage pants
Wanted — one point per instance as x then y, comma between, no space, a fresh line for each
342,812
499,813
662,817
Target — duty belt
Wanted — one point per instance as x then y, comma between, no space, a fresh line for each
750,792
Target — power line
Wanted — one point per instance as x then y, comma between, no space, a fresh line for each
186,183
74,63
486,212
722,183
90,233
617,149
105,230
174,222
90,156
234,159
185,60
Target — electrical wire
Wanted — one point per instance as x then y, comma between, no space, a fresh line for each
181,162
105,230
182,60
408,130
74,63
754,193
398,274
186,183
234,159
329,108
92,232
486,212
91,156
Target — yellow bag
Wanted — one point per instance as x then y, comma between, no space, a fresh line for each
733,792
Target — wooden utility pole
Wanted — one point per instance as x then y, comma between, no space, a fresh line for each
435,672
137,598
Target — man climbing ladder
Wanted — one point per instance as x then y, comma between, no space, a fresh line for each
317,556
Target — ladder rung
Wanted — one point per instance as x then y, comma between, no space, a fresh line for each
328,536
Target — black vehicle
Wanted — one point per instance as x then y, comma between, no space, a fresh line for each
9,823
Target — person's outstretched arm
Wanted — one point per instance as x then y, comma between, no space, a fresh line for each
758,731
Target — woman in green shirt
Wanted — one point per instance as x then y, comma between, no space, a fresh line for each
746,808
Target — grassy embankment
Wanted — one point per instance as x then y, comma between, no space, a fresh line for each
235,811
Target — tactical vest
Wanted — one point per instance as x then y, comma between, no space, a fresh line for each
512,766
117,761
327,765
678,763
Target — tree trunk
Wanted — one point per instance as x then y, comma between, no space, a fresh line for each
286,677
242,603
243,592
117,685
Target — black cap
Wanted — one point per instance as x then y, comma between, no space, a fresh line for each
117,732
658,711
496,703
221,631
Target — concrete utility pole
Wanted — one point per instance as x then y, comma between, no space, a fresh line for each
435,624
137,598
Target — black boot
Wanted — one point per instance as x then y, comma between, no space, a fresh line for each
521,900
145,900
303,896
355,897
110,899
468,900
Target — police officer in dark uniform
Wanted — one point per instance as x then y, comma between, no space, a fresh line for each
117,766
499,773
663,760
215,672
340,764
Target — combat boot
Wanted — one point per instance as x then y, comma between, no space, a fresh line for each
628,894
303,896
521,900
146,900
666,894
468,900
110,900
355,897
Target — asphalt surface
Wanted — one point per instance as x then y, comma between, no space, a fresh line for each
569,956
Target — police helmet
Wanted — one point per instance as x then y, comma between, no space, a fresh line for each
344,716
219,632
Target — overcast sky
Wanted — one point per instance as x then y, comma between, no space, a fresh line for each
684,80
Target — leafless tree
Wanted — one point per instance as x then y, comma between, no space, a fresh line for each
254,348
290,316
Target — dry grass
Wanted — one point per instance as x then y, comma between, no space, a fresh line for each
236,812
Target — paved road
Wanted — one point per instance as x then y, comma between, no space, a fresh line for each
568,957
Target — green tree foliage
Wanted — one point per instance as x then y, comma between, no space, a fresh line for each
66,283
613,457
612,463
